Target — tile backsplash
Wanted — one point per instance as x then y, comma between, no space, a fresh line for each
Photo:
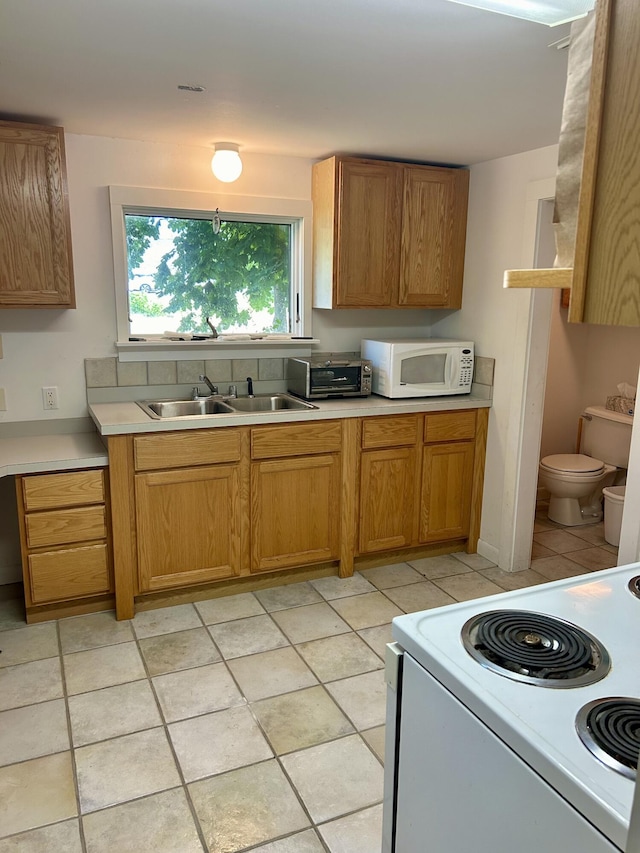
108,378
111,380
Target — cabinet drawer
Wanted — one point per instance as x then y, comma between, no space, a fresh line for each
182,449
389,432
72,573
450,426
71,488
296,439
61,527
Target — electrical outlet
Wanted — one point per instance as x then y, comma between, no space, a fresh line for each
50,397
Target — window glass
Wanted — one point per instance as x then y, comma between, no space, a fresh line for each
182,270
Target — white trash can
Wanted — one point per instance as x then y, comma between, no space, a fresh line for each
613,506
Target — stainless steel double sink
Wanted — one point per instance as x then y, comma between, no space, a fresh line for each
207,406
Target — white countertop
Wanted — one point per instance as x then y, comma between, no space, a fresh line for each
34,454
122,418
39,453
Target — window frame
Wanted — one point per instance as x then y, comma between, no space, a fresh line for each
183,203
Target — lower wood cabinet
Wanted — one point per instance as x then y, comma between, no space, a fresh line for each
418,478
65,539
188,524
202,506
295,511
445,498
295,494
387,498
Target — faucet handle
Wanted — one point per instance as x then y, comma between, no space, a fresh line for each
233,390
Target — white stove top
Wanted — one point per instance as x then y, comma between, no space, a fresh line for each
538,723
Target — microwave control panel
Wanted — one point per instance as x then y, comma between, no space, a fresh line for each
466,367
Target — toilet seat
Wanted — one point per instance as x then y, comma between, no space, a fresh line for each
575,465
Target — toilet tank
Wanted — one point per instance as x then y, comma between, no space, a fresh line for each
606,435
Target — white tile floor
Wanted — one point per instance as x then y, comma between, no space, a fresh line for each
254,722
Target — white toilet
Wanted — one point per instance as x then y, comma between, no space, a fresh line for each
575,480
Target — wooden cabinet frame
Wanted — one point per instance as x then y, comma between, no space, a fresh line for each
336,450
34,218
431,471
64,523
388,235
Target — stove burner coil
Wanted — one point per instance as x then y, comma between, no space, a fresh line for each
535,648
634,586
610,729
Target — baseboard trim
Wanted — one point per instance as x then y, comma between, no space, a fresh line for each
490,552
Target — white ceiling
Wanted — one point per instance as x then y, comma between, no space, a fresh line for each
417,79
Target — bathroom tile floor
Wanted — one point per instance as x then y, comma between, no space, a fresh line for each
559,552
254,722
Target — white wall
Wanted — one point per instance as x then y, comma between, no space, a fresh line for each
498,319
48,347
565,375
586,363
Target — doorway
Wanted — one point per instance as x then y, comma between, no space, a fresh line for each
526,412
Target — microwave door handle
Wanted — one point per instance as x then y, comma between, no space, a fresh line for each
454,368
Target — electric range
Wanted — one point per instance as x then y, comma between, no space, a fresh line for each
499,717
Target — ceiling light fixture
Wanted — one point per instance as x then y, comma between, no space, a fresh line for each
226,164
549,12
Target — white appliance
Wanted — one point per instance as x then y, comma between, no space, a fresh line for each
499,716
419,367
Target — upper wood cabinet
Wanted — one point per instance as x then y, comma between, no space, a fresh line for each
388,235
606,277
35,235
604,281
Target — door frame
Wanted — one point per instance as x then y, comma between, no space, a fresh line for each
525,416
533,326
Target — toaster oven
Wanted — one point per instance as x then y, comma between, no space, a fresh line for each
320,378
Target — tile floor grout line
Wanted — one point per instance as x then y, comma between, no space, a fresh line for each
72,755
183,783
277,756
60,657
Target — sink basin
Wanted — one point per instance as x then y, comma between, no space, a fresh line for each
163,409
268,403
183,408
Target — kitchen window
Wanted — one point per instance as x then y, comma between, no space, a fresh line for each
180,258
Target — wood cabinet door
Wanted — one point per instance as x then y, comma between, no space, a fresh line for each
605,289
189,526
434,223
35,250
387,499
295,511
447,482
368,242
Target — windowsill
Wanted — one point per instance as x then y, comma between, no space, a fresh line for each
164,350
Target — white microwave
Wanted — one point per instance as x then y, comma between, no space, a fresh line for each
420,367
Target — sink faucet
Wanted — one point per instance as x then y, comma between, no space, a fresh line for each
213,388
249,386
214,331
